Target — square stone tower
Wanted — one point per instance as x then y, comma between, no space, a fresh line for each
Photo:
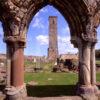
53,40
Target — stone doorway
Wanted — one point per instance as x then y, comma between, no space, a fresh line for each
83,18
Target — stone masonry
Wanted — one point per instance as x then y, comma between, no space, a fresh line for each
83,17
53,42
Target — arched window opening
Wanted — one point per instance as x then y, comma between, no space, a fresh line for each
37,49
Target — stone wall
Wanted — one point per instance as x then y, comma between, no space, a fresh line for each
69,56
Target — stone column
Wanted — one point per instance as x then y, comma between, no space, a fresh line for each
17,89
93,69
84,86
8,65
80,61
84,64
86,73
93,66
17,67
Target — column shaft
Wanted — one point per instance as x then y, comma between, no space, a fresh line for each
8,64
93,66
85,65
80,62
17,69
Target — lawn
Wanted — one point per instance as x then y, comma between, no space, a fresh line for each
52,84
49,78
98,77
98,62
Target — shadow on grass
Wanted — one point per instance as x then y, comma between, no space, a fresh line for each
51,90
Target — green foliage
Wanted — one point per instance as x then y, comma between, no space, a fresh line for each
46,66
28,63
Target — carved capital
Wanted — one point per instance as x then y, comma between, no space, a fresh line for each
15,40
93,6
89,38
90,29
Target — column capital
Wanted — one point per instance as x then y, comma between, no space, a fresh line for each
15,40
89,38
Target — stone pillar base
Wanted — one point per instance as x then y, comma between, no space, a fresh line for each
2,96
16,93
88,92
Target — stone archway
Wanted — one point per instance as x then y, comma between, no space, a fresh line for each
83,18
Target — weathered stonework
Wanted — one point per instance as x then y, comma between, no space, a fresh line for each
83,17
16,93
53,39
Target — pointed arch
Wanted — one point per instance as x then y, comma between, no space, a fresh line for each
74,12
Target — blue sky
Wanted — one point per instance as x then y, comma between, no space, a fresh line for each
37,35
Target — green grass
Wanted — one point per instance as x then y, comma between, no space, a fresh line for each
52,78
98,77
52,84
98,62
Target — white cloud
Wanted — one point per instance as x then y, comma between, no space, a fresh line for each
37,23
64,44
65,48
63,39
42,39
38,20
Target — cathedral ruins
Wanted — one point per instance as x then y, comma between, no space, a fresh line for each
83,17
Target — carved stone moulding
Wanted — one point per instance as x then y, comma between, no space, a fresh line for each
87,38
88,92
16,93
15,39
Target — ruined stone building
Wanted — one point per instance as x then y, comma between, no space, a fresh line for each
53,42
69,56
83,17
